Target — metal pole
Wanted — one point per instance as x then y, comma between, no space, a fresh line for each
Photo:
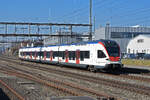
50,27
90,35
71,40
94,24
29,29
38,30
5,28
59,38
15,32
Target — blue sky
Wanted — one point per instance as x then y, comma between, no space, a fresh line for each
116,12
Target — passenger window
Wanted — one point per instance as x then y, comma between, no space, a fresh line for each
100,54
48,55
63,54
73,55
82,55
70,55
86,54
42,54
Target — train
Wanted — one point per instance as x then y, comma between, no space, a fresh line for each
92,55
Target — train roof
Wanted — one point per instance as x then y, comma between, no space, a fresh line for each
80,43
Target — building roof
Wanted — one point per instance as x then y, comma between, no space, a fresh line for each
145,35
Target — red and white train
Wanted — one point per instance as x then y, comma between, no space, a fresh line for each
100,54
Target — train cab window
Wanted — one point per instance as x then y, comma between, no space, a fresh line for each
21,53
100,54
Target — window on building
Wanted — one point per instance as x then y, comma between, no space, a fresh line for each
128,50
133,51
140,40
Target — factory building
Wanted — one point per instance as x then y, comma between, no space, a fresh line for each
122,35
139,44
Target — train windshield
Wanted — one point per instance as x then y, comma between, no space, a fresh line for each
112,48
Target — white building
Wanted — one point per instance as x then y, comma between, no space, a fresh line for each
139,44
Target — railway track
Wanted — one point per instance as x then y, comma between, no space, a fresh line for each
139,78
11,90
53,83
9,71
122,85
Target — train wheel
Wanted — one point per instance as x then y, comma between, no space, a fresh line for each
92,69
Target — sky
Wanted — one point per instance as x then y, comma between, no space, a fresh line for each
115,12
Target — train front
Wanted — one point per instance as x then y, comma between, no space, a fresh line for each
112,52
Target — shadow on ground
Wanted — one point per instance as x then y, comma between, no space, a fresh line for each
129,71
3,96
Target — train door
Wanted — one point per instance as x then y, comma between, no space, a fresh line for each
51,55
24,55
30,55
58,55
35,55
77,56
44,55
66,56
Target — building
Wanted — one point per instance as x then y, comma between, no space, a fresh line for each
139,44
122,35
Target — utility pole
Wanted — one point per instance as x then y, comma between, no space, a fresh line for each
94,24
90,29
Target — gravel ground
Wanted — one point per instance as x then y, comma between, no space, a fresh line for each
99,87
28,89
